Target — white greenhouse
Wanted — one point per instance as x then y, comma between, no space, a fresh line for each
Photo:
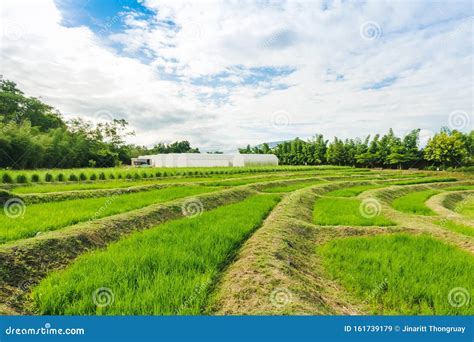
204,160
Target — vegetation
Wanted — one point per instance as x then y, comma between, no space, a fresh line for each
401,274
291,187
414,202
446,149
38,218
333,211
456,227
166,270
353,190
466,207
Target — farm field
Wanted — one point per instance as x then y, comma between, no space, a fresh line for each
280,240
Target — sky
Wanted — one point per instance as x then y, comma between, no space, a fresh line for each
224,74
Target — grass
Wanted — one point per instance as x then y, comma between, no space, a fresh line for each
456,227
51,216
353,190
292,187
401,274
466,207
27,176
335,211
426,180
414,202
169,269
459,188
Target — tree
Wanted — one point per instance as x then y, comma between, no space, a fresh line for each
446,149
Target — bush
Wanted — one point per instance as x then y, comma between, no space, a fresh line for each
48,177
119,176
158,174
35,178
5,196
111,176
136,176
82,176
144,175
93,176
128,176
21,179
164,174
60,177
102,176
6,178
73,178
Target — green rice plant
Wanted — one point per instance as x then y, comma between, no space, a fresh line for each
21,178
39,218
169,269
466,207
459,188
291,187
333,211
353,190
402,274
414,202
48,177
6,178
426,180
456,227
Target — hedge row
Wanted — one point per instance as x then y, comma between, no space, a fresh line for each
21,178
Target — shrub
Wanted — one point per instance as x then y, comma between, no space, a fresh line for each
119,176
102,176
48,177
21,179
6,178
128,176
73,178
165,174
82,176
60,177
5,196
136,176
35,178
93,176
111,176
144,175
158,174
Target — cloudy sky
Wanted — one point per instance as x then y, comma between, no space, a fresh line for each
224,74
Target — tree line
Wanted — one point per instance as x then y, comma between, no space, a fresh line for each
446,149
35,135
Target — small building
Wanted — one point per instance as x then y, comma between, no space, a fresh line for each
204,160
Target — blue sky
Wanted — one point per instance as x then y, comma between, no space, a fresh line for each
223,74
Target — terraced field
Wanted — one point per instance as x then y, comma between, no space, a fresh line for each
286,240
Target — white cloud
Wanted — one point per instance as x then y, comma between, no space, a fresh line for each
425,48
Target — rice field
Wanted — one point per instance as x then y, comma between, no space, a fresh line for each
235,241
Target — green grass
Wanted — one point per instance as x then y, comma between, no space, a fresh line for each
292,187
54,215
426,180
459,188
346,211
169,269
466,207
456,227
353,190
401,274
414,202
